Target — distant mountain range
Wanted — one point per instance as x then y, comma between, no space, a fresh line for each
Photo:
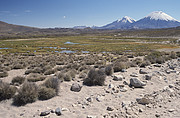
154,20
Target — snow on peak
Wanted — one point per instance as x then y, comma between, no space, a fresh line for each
126,19
159,15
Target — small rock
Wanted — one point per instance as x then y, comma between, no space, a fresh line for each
45,113
173,71
157,115
76,87
121,86
110,108
157,65
58,111
99,98
125,83
65,109
171,110
118,78
90,116
171,85
168,72
136,83
134,75
89,99
123,70
141,71
143,101
141,110
126,103
148,77
123,89
110,86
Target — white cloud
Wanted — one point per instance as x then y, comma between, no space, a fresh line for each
64,17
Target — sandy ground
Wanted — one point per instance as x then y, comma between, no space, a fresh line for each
75,104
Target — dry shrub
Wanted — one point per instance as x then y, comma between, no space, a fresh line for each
49,72
109,70
59,63
6,91
45,93
145,63
18,66
173,55
28,93
34,77
18,79
90,62
82,75
95,77
52,83
3,74
118,66
155,57
60,76
67,77
137,61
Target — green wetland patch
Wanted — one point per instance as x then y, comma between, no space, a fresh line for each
85,44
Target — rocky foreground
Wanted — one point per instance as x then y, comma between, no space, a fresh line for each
153,91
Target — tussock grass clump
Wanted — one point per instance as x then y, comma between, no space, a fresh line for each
49,72
52,83
83,67
67,77
45,93
145,63
47,67
155,57
59,68
28,93
34,77
29,71
109,70
118,66
173,55
6,91
95,77
18,79
137,61
59,63
90,62
82,75
60,76
122,59
72,73
3,74
18,66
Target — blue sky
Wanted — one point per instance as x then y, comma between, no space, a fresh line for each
69,13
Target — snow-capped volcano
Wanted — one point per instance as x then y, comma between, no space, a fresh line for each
119,24
159,15
126,19
156,20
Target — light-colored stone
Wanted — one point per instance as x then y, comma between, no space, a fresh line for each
135,82
91,116
76,87
110,108
141,71
143,101
118,78
100,98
